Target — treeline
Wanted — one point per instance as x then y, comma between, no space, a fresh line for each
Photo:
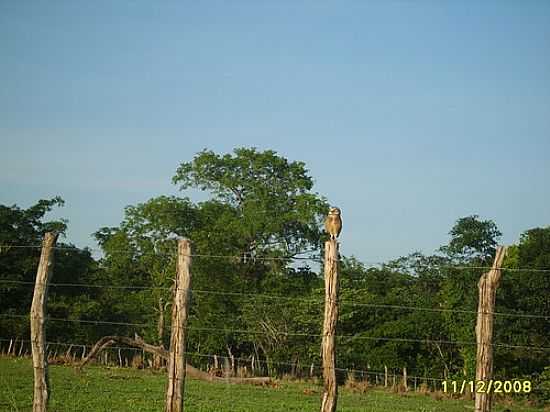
252,297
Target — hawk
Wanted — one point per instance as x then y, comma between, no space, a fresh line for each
333,222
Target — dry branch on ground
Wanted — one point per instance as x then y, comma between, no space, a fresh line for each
138,342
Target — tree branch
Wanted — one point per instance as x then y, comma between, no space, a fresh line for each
138,342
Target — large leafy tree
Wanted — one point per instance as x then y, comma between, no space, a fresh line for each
472,238
262,206
275,208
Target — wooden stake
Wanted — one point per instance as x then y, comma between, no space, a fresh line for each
385,376
330,393
405,384
157,360
487,285
68,353
180,312
38,336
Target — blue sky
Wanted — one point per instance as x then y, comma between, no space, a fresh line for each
408,114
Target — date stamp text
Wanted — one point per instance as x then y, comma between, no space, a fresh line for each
490,386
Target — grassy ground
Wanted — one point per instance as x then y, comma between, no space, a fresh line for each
121,389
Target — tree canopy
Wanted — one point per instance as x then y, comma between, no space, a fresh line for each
275,209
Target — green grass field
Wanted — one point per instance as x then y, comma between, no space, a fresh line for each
121,389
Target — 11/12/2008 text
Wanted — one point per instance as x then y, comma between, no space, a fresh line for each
490,386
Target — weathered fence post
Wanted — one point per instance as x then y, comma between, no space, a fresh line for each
180,312
385,376
487,285
405,383
38,336
330,393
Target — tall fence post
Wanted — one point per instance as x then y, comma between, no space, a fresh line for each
38,335
330,393
487,285
180,313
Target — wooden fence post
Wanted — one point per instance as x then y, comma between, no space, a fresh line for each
385,376
330,393
405,383
38,335
487,285
180,312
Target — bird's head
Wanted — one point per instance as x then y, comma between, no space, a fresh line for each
334,211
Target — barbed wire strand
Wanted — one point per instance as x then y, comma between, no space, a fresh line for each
300,334
320,300
280,258
172,254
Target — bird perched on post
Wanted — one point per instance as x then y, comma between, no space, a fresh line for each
333,222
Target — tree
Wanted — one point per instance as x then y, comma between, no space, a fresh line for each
473,242
141,253
19,229
472,238
276,212
262,206
21,234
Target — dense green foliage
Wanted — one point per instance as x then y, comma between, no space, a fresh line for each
25,227
261,302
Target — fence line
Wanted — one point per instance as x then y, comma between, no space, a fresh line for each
319,301
240,359
301,334
247,360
